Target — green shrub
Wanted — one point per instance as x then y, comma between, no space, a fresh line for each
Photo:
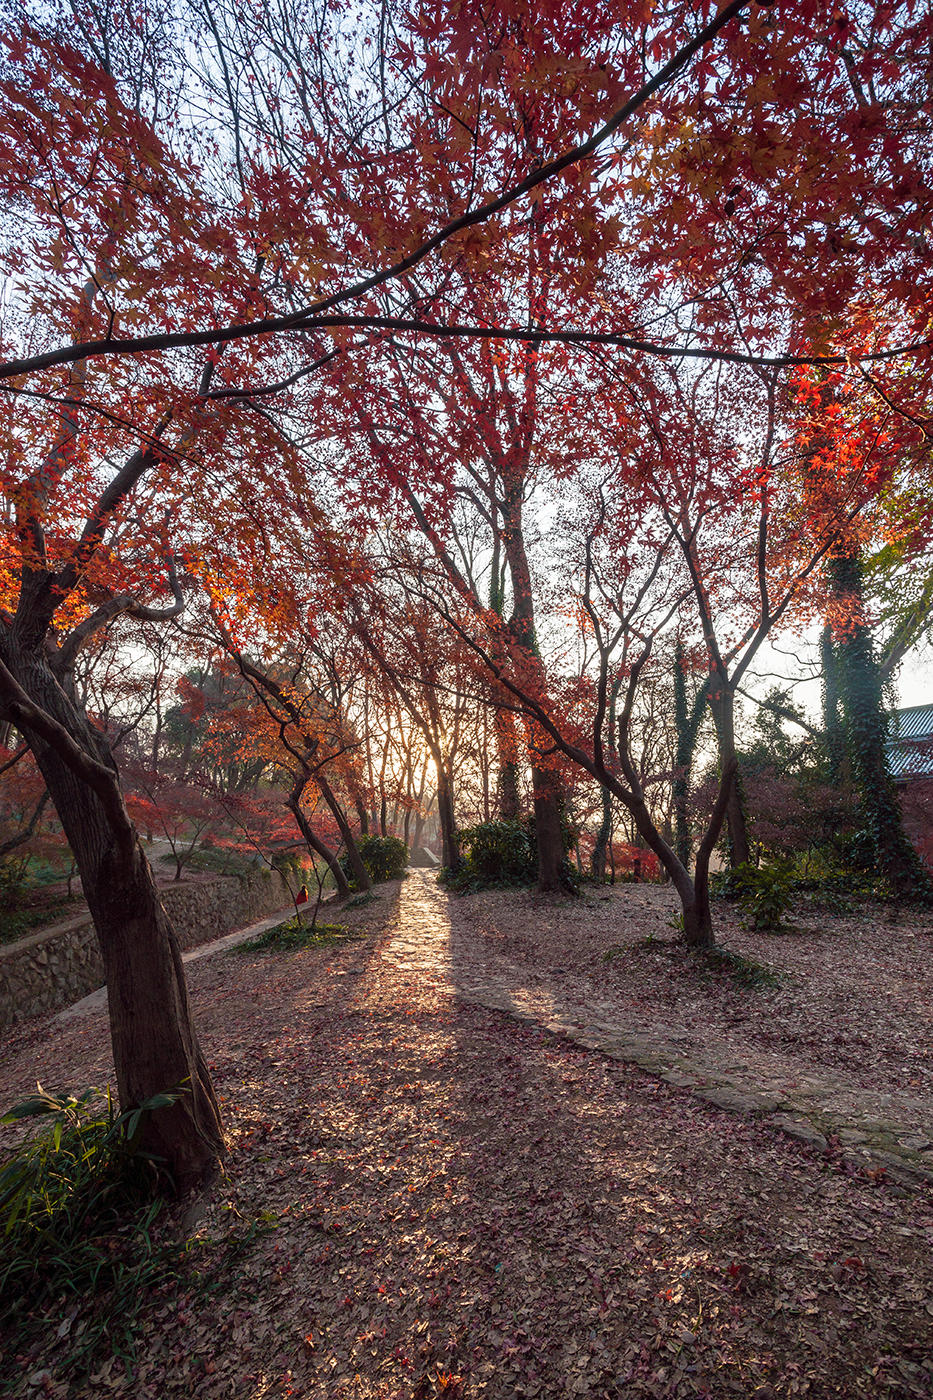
499,853
77,1205
385,858
816,873
217,860
504,854
765,892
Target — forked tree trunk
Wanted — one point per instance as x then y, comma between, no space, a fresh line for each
360,873
316,845
155,1047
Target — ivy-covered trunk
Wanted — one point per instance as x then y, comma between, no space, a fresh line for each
862,701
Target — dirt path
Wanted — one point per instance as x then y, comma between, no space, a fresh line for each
467,1205
875,1107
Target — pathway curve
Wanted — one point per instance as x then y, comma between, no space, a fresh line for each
440,944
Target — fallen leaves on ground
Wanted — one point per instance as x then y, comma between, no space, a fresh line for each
463,1205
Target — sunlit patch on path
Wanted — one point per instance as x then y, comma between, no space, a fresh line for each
437,940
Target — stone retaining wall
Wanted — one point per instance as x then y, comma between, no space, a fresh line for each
59,965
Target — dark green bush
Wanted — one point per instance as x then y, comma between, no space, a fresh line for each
504,854
385,858
816,874
499,853
765,892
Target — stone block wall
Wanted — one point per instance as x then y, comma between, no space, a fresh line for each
59,965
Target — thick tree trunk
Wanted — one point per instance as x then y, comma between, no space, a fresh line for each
450,858
861,693
155,1047
698,920
508,798
548,834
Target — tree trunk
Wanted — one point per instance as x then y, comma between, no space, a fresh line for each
450,858
687,719
155,1047
317,846
549,836
860,690
722,704
833,722
601,844
740,851
508,802
545,784
360,873
698,919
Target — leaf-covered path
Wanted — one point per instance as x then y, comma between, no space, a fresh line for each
837,1053
467,1205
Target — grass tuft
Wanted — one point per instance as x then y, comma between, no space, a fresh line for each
358,901
83,1249
745,972
293,934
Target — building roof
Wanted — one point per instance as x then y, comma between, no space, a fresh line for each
910,742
